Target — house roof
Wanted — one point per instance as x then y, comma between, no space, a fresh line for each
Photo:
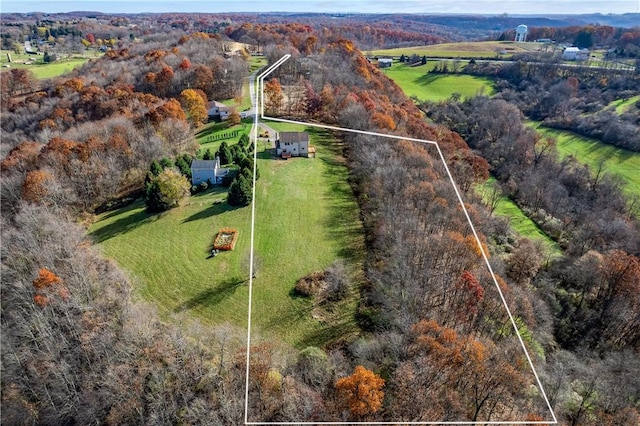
203,165
294,137
220,105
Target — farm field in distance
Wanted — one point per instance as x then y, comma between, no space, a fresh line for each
40,69
306,218
479,49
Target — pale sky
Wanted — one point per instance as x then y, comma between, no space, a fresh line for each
493,7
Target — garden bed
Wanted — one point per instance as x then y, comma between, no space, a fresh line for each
225,239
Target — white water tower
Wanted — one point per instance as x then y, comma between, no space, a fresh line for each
521,33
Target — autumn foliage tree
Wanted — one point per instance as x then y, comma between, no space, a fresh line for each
274,96
166,191
34,188
195,106
361,392
48,284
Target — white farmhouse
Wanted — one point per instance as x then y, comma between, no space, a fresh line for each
207,171
218,110
292,144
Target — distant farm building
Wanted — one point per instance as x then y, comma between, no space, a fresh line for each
218,110
293,144
385,62
575,54
207,171
521,33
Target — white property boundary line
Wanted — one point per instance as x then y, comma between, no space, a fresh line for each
259,87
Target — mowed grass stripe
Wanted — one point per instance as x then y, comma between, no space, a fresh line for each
518,221
306,218
624,163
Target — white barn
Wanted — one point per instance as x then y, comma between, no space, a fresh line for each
575,54
207,171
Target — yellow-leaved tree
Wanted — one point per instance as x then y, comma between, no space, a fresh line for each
195,106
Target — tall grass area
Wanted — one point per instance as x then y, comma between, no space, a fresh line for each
518,221
417,82
625,164
306,218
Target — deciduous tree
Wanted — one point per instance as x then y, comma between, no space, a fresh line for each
195,106
274,97
166,191
361,392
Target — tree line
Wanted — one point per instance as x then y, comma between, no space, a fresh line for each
435,342
570,98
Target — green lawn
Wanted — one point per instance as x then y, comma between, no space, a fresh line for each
39,68
256,62
621,106
57,68
206,134
415,81
621,162
306,218
481,49
520,223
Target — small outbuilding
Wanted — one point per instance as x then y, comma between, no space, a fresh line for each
385,62
207,171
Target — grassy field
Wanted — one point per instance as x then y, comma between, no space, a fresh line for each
623,106
481,49
520,223
256,62
206,133
623,163
415,81
306,218
39,68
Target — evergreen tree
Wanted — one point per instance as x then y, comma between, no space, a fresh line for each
224,152
184,167
166,163
240,193
155,168
244,141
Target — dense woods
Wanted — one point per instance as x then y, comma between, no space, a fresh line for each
435,340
